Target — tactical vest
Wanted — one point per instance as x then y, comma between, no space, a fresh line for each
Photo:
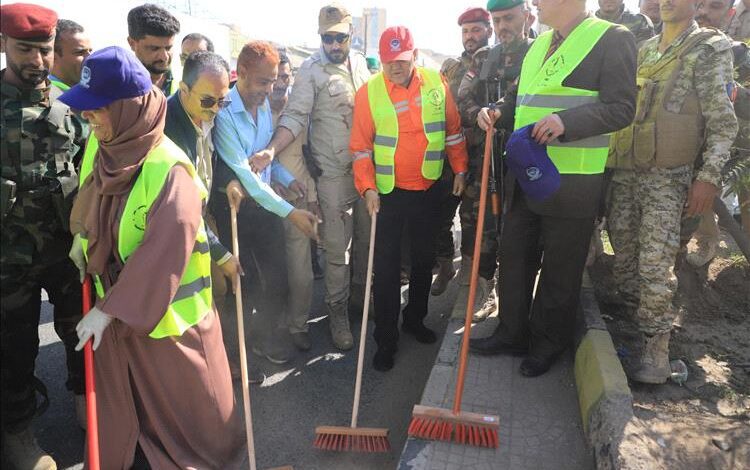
46,140
192,301
384,115
541,92
657,137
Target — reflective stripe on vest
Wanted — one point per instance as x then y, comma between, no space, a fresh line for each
384,115
541,92
193,299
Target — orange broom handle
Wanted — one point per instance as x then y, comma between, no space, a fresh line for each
464,355
92,422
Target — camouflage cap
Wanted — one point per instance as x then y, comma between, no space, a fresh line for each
499,5
334,18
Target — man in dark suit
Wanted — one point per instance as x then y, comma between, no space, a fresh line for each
577,85
190,118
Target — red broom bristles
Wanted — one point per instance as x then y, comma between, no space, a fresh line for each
472,434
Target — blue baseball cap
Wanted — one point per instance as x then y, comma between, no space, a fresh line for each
531,165
108,75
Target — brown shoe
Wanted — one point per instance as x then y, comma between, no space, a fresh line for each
444,275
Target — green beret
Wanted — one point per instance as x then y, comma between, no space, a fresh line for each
373,62
499,5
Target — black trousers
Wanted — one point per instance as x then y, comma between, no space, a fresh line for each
263,258
422,210
556,245
19,333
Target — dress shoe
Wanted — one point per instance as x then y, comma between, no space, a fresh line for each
301,340
420,332
383,360
493,345
536,366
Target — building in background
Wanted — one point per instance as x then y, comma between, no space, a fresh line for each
367,30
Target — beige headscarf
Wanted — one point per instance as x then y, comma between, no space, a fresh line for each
138,125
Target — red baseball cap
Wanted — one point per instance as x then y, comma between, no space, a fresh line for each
396,43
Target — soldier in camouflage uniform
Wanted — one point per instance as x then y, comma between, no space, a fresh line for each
492,71
717,14
684,75
475,34
41,141
639,24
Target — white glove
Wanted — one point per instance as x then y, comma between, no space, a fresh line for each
93,324
76,255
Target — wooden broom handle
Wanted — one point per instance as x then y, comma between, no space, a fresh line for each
464,355
363,329
243,351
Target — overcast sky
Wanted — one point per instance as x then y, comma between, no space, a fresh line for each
433,23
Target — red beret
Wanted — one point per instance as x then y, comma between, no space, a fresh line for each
27,21
474,15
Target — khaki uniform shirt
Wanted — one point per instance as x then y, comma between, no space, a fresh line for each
323,93
294,161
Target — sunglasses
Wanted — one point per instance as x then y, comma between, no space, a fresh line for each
340,38
209,102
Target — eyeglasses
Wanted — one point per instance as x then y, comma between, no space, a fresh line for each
209,102
340,38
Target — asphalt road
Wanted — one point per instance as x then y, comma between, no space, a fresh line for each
315,388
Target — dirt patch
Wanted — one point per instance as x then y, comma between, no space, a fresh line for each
705,422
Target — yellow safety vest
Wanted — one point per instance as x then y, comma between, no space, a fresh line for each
541,92
193,299
385,116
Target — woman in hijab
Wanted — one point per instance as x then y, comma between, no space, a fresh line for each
162,375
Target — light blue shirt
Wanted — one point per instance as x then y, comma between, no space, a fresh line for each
236,137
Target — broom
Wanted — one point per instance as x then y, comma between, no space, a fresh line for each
92,422
352,438
243,354
463,427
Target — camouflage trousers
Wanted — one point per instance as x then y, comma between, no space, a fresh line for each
468,212
644,219
20,298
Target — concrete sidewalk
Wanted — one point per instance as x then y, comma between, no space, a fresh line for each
540,422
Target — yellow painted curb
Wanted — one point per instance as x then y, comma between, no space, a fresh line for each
598,372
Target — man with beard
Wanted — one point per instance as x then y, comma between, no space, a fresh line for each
717,14
151,33
242,129
323,99
492,71
667,165
41,140
72,45
614,11
475,33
